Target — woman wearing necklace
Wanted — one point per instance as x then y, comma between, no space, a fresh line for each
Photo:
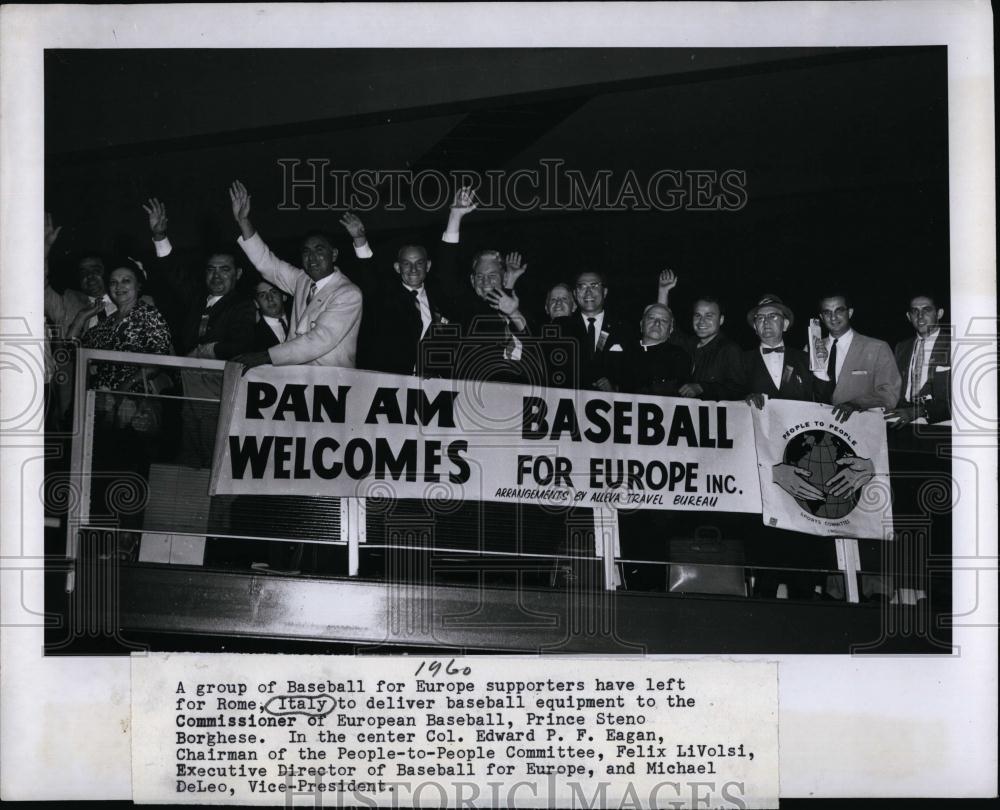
135,326
126,428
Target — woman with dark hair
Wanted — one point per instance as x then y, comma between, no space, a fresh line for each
126,427
135,326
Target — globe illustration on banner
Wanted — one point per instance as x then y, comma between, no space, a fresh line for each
818,451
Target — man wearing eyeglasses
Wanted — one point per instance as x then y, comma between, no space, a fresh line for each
485,335
595,332
861,371
774,369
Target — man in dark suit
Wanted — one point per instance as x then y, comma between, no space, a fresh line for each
716,361
271,327
482,335
212,320
399,308
652,365
924,363
774,369
782,372
596,333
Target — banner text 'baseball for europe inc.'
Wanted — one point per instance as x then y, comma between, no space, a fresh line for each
340,432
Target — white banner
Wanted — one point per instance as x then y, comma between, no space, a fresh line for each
821,476
308,430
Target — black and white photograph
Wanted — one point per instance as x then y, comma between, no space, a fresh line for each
593,344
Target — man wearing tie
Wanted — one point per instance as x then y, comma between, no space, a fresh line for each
399,308
213,320
596,333
924,363
326,309
861,371
485,335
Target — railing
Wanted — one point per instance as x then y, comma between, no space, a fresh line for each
162,442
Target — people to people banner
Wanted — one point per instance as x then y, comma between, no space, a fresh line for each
822,476
310,430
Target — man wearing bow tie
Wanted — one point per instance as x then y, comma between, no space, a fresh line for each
326,309
774,369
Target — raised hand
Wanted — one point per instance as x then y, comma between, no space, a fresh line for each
51,233
239,197
515,269
792,479
757,400
507,303
665,283
352,223
464,202
157,213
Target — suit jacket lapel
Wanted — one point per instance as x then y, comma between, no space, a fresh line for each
765,375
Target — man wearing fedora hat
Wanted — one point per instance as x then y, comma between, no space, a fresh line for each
774,369
782,372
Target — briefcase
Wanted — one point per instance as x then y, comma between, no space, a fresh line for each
707,565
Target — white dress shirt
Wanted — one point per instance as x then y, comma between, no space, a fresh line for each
276,327
843,344
425,307
598,325
774,362
928,347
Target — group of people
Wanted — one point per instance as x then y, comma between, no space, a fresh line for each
427,317
433,313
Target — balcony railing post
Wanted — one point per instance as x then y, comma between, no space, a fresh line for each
849,561
607,545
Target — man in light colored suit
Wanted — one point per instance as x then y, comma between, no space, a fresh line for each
862,370
924,362
326,309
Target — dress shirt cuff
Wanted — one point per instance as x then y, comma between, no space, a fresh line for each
163,247
363,251
450,237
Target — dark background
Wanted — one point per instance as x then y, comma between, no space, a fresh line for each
844,149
